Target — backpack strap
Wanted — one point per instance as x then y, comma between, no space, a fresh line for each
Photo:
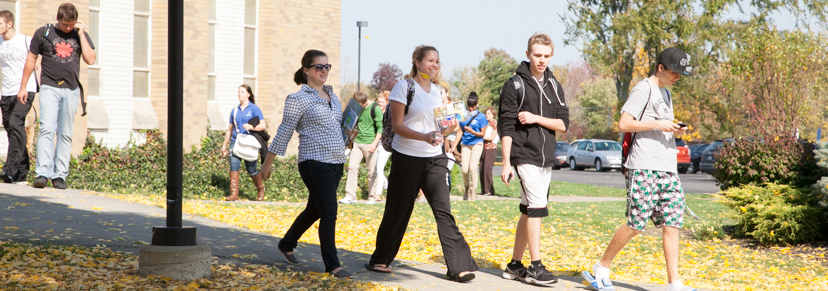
632,142
410,95
518,82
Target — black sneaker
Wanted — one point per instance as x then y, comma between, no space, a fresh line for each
40,182
514,271
539,275
58,183
6,177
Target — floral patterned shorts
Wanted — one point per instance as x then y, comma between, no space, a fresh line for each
654,195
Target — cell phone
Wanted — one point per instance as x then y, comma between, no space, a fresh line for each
682,125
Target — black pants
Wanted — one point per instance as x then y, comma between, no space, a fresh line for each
14,119
322,179
409,175
486,166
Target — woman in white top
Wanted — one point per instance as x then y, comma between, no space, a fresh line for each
418,162
383,155
489,153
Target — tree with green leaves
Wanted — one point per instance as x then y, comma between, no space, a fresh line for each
464,80
495,68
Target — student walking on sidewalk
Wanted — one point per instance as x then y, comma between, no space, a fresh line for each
382,154
315,113
471,146
240,119
418,162
654,189
14,50
532,109
369,125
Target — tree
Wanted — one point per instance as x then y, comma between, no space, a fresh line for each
598,104
495,68
386,76
464,80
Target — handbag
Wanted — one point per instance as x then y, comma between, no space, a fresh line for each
246,146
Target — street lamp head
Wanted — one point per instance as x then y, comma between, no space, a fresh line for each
362,23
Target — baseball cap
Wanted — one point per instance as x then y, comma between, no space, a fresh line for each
676,60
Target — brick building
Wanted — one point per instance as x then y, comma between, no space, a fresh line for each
227,43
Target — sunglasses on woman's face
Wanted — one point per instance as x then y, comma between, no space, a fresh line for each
320,67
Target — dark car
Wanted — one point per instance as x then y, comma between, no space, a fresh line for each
560,156
709,156
683,157
696,156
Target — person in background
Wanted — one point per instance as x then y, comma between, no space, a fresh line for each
240,117
382,154
490,139
315,113
14,50
369,126
471,146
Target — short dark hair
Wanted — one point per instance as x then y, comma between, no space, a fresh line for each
67,12
7,16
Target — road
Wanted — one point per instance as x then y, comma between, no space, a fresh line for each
699,183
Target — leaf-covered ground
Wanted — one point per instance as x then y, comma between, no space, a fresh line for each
575,235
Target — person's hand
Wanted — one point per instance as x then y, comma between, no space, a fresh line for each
429,137
372,148
666,126
469,129
507,174
79,26
22,95
452,126
682,130
265,171
527,117
247,127
353,132
224,150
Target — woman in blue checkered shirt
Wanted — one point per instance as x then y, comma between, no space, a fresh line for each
314,112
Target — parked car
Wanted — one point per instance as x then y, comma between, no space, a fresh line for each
560,156
709,156
600,154
683,157
696,156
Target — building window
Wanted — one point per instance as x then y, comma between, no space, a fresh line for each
10,6
211,57
251,20
141,50
94,29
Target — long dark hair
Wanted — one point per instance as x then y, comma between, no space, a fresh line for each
252,98
299,77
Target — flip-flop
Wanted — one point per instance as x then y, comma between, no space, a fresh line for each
373,268
594,283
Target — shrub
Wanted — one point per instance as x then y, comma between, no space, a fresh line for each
821,186
773,160
777,214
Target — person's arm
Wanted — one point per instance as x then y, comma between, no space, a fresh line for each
488,136
267,166
629,124
87,52
555,124
398,114
228,133
507,174
259,127
23,94
290,118
378,126
37,71
471,131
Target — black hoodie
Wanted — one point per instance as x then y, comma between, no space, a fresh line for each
531,143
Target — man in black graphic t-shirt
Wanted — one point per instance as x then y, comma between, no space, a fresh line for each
62,48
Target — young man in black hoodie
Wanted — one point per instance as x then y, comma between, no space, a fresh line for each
532,109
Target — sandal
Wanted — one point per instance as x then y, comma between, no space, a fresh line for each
377,268
468,276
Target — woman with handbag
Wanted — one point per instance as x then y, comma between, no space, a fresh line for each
239,131
490,139
315,113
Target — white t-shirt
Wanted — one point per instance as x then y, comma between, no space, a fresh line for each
13,54
489,133
420,118
652,149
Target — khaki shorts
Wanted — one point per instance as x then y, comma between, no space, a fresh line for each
654,195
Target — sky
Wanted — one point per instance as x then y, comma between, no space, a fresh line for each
460,29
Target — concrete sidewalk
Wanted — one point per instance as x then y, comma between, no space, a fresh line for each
72,217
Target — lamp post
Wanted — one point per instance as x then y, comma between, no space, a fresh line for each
360,24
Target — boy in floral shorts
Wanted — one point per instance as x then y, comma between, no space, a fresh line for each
653,187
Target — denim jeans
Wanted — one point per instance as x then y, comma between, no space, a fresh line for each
57,121
322,179
235,163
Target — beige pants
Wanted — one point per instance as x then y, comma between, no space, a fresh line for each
470,157
357,153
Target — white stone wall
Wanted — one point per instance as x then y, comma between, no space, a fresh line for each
115,57
229,54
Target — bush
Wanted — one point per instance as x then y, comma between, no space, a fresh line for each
821,186
777,214
772,160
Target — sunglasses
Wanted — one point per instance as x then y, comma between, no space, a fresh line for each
320,67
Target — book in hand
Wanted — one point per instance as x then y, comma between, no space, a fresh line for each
444,114
349,121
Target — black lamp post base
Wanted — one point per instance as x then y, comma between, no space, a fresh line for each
173,236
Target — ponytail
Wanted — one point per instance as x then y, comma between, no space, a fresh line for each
300,77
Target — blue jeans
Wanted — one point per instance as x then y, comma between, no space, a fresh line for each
57,120
235,163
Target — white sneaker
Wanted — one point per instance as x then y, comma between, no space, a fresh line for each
371,201
347,201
